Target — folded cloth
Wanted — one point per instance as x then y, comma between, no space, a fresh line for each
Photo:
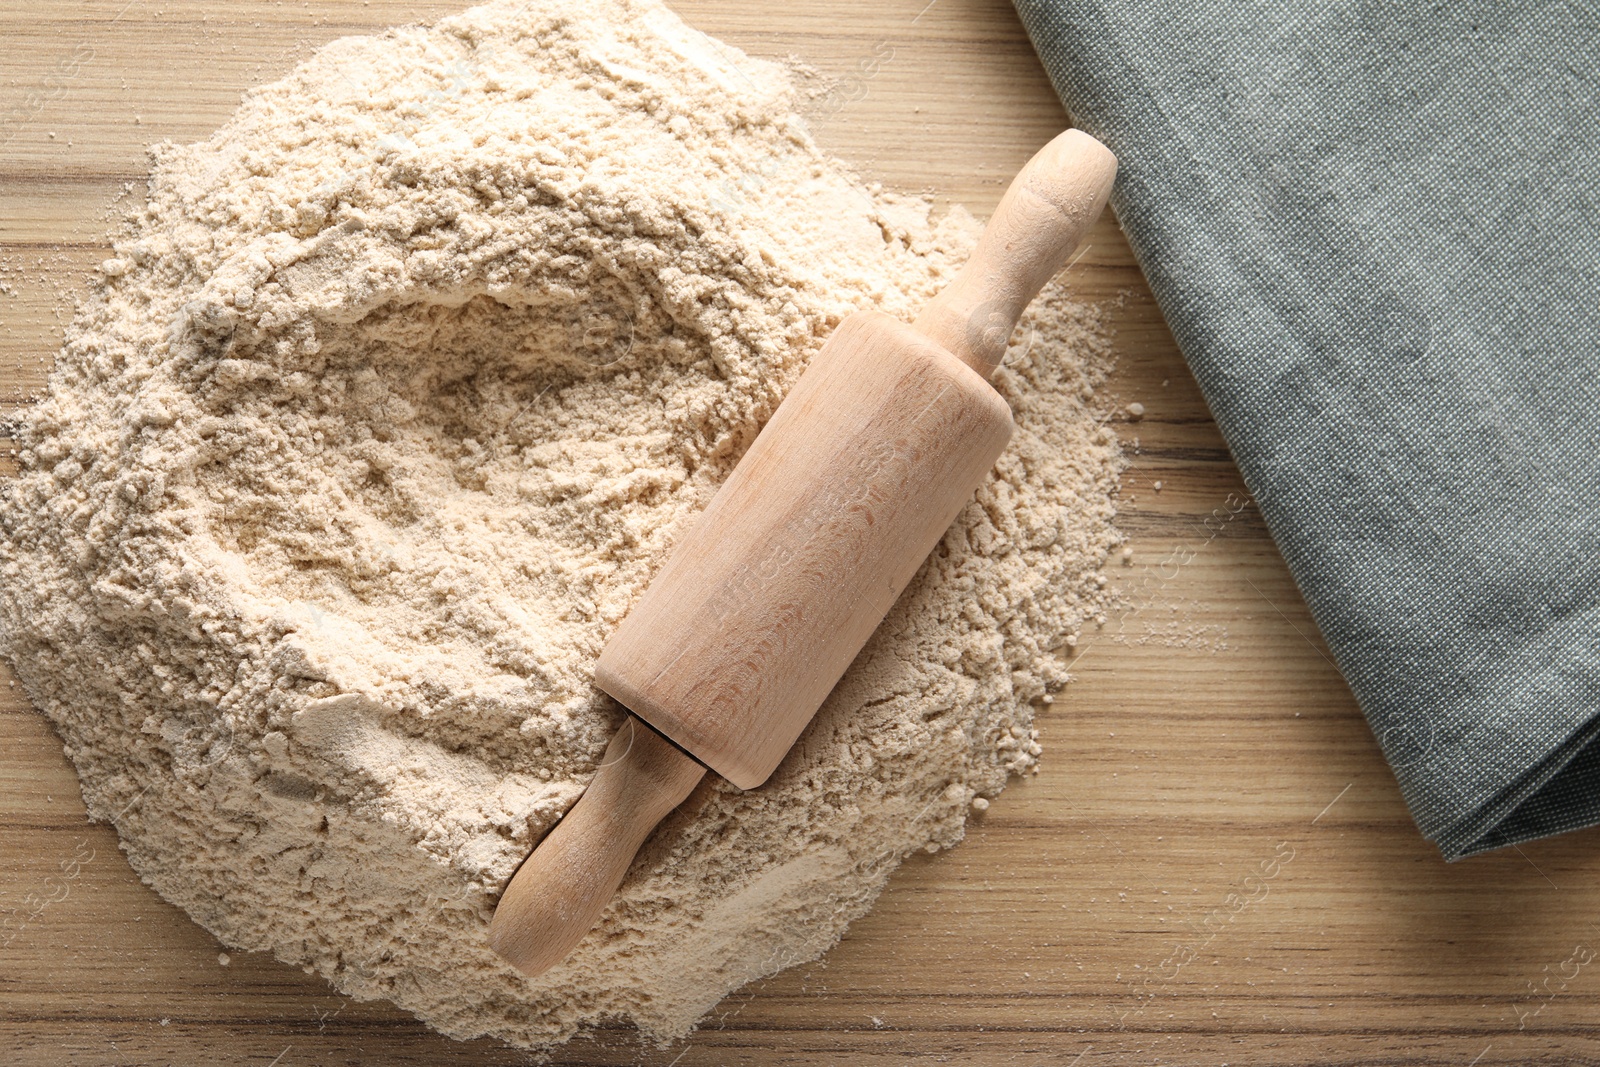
1372,228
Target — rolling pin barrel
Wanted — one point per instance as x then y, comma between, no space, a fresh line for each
765,602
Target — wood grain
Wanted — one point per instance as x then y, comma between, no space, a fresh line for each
1114,909
764,603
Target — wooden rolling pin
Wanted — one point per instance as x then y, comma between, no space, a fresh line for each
761,608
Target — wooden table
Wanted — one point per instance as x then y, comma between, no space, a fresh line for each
1214,865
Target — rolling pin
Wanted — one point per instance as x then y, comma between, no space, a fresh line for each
760,609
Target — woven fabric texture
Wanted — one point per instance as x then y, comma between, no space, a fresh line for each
1372,228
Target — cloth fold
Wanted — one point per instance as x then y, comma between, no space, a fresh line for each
1372,228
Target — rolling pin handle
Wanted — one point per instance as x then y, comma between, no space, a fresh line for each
1042,217
558,893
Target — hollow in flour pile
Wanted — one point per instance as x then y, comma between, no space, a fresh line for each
387,407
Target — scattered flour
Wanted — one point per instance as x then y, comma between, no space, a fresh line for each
383,412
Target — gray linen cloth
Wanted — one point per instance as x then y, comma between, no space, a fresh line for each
1373,230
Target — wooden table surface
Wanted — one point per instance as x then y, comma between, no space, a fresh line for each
1213,866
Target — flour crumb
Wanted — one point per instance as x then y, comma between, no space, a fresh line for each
388,404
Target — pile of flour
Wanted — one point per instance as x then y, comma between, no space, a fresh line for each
386,409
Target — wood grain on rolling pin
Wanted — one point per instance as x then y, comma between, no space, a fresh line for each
1205,728
758,612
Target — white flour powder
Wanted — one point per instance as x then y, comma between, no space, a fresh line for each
389,405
